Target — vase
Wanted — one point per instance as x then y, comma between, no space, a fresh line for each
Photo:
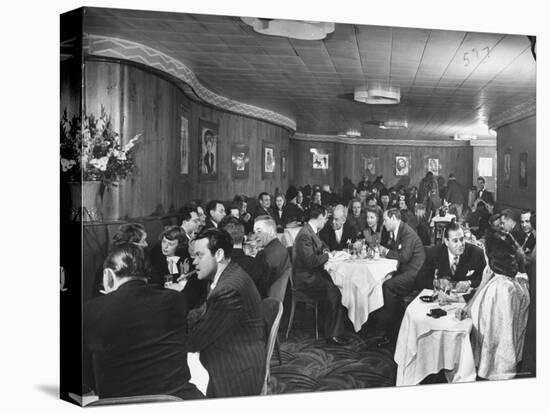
85,200
111,202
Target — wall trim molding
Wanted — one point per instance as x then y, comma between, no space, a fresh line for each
378,142
514,114
117,48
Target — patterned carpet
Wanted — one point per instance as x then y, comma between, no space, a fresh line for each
313,365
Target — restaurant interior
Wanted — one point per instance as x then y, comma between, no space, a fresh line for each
210,107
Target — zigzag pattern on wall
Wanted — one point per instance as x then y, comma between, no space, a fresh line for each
106,46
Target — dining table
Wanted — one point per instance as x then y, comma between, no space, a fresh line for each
427,345
360,283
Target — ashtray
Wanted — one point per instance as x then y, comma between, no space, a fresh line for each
427,298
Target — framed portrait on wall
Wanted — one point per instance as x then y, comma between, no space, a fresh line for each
240,161
523,169
184,145
208,147
370,167
268,160
433,165
402,164
507,167
320,160
283,164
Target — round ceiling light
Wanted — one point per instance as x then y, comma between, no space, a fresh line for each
378,95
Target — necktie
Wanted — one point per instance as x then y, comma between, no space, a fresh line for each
392,241
454,265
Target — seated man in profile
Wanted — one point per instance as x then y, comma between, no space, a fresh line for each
339,232
136,333
525,233
272,261
229,334
455,259
401,243
311,278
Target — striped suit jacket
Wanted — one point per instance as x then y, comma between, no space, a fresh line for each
230,336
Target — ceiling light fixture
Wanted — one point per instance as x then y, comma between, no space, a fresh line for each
393,125
354,133
464,137
294,29
377,95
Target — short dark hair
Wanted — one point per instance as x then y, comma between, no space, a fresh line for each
316,211
127,260
128,233
370,197
240,199
481,179
234,227
218,239
212,204
185,212
533,218
261,196
452,226
393,212
508,213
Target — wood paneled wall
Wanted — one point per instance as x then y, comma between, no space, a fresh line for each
520,137
142,102
347,161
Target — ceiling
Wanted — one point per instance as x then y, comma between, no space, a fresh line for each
451,82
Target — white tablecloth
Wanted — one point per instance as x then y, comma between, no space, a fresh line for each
199,375
426,345
360,282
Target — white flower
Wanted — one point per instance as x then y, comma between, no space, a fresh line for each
66,165
100,164
131,143
120,155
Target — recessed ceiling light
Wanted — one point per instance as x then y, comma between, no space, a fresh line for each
294,29
377,95
393,125
464,137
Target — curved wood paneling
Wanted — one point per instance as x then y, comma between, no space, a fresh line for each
142,102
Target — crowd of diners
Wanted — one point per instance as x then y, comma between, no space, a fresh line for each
199,288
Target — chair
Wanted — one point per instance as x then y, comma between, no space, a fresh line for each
137,399
439,230
272,310
300,297
277,291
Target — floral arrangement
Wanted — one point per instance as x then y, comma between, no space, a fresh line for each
91,150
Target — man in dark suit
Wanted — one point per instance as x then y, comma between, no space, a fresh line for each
339,232
264,206
485,195
461,262
525,233
136,333
401,243
215,212
310,277
272,261
230,333
235,228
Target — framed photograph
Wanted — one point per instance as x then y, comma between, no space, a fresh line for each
523,169
433,165
283,164
402,164
370,167
184,145
320,160
507,167
268,160
208,147
240,161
